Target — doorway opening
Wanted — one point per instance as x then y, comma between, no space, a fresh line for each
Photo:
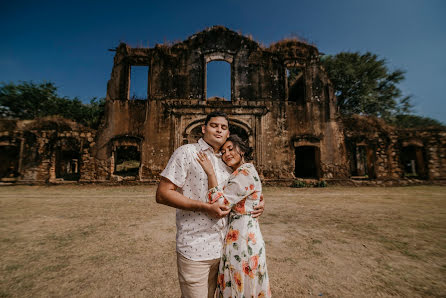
9,162
413,162
307,162
67,165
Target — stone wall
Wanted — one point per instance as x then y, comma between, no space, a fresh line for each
281,100
45,148
391,149
259,106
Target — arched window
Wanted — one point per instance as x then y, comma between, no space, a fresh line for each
127,160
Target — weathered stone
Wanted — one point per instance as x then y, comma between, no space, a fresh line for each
260,107
291,123
395,149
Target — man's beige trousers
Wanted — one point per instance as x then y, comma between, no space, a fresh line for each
198,279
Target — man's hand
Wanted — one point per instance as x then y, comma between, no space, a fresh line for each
258,210
217,210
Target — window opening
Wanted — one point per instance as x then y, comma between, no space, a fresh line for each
218,81
296,84
139,82
127,161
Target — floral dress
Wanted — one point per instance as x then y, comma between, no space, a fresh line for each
242,271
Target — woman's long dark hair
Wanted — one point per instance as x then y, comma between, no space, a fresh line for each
242,146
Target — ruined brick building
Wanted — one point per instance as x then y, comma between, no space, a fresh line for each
291,122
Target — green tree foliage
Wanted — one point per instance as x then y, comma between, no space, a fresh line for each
364,85
414,121
29,100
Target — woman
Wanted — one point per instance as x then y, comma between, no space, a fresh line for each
242,270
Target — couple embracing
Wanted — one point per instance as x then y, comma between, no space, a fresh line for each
218,196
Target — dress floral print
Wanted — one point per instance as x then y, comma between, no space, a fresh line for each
242,271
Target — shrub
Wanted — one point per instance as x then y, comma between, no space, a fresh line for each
299,184
321,183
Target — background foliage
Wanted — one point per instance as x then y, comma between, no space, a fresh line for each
29,100
364,85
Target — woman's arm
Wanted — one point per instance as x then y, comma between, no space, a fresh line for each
242,183
208,169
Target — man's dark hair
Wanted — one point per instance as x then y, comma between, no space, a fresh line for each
215,114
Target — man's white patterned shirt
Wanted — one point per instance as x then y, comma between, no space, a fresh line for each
199,237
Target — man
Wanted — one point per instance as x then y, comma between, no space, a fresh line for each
200,225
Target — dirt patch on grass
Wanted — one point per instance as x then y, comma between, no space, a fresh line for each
116,241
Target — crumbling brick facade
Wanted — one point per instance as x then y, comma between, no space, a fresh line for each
44,150
376,150
291,122
260,106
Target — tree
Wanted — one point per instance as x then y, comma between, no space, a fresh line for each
364,85
414,121
94,112
29,100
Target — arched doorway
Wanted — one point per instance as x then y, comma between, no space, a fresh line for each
127,160
238,130
194,135
193,132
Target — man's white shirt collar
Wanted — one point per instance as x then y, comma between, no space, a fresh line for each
205,146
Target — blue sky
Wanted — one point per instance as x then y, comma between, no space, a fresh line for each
67,42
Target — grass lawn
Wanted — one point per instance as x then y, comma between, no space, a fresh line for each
75,240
